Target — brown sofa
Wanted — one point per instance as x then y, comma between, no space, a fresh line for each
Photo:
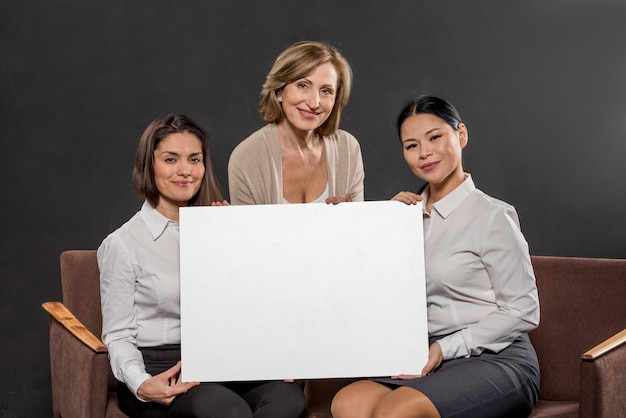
583,369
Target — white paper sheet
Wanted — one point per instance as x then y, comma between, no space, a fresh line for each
302,291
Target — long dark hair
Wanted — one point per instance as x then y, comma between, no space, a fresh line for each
157,131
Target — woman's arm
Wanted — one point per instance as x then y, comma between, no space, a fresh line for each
345,168
506,259
119,323
255,169
357,188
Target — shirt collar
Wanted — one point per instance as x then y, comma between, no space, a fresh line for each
453,200
154,220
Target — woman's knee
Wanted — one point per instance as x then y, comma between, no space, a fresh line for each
276,400
342,403
211,400
405,402
358,399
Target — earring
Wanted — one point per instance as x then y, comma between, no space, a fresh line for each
280,99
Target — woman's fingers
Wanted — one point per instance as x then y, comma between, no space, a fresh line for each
409,198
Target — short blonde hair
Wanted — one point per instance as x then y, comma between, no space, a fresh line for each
296,62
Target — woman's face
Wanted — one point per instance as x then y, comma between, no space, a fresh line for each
432,148
178,169
309,101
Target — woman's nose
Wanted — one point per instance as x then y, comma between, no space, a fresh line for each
425,152
313,100
184,169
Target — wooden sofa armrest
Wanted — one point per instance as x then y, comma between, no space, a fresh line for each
79,375
66,318
602,383
605,346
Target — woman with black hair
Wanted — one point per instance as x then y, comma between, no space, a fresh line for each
481,294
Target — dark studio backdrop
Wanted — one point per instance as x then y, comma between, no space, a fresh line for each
541,85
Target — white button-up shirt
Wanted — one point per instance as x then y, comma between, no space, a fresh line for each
140,291
479,279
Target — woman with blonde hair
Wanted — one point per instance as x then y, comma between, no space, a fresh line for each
301,155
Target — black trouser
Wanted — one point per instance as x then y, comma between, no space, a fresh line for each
266,399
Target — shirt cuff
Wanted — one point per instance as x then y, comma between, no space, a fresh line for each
134,376
453,346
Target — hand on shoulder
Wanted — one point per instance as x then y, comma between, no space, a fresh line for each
409,198
222,203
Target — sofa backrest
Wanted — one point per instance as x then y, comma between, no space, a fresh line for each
583,302
80,283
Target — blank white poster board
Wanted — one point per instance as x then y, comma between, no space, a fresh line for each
302,291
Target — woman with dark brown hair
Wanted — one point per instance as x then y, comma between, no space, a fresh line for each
140,289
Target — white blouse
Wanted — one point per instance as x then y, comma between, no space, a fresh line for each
140,291
479,279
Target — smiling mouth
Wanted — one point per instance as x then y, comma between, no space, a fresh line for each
308,114
429,166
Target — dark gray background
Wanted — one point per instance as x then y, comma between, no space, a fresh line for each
541,85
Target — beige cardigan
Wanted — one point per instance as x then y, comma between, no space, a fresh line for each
255,169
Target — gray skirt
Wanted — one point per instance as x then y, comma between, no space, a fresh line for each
504,384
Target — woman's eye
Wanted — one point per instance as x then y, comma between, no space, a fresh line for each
327,92
434,137
196,160
410,146
170,160
302,85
